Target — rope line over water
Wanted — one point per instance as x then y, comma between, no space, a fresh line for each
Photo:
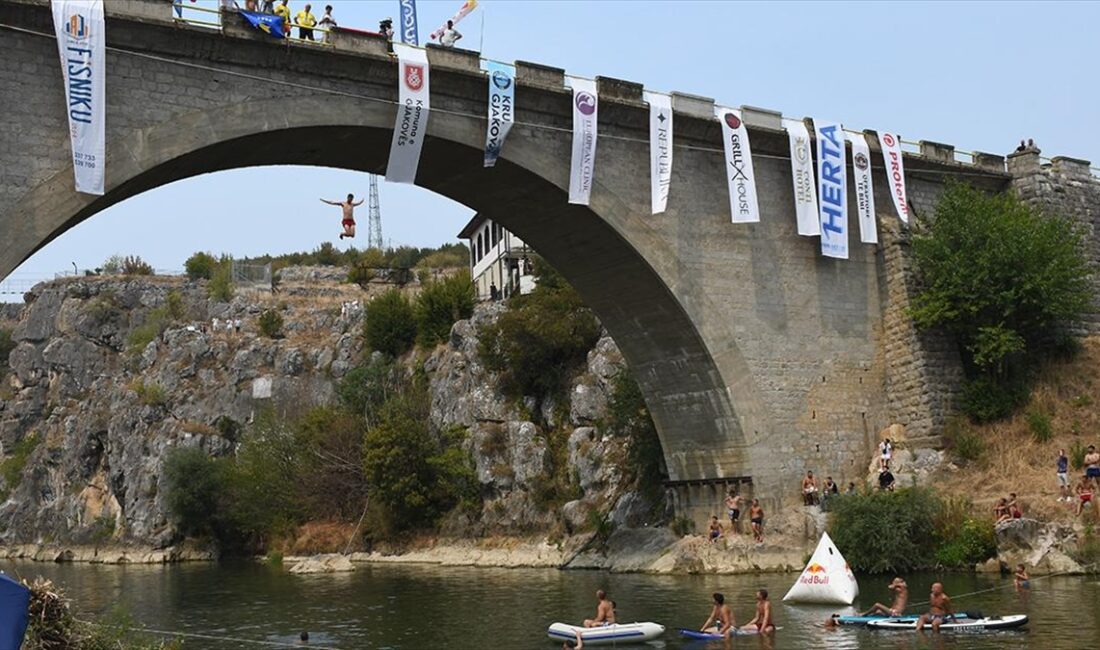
213,637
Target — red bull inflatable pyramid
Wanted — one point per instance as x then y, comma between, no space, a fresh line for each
826,580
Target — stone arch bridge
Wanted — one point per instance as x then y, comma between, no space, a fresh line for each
758,357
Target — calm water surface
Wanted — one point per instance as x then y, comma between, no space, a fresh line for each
419,606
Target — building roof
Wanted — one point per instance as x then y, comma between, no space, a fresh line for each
474,223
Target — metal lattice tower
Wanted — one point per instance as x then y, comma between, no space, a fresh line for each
374,222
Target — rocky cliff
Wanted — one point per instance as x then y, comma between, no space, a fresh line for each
110,374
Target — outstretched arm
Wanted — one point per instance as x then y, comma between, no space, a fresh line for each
358,203
329,202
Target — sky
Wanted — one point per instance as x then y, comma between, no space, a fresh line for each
978,75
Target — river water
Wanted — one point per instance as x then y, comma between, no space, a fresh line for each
437,608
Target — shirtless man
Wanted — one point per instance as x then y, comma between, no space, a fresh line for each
733,510
605,611
756,518
809,489
763,618
901,599
715,529
1092,465
349,214
720,620
939,608
1084,495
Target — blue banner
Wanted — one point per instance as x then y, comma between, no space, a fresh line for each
832,188
266,23
409,33
502,113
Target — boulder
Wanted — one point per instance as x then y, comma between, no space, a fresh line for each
1044,548
324,563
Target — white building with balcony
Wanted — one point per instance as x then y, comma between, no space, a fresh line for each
500,262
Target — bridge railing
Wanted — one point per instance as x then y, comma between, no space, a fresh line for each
212,18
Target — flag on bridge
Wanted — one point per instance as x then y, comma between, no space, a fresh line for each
502,109
740,176
266,23
582,165
802,174
895,172
414,103
865,188
660,149
81,42
832,186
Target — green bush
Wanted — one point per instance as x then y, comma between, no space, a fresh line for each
366,387
628,416
1077,452
271,324
11,468
1038,422
886,531
156,321
390,325
967,545
200,266
1005,281
542,339
440,304
195,484
986,399
150,394
112,265
134,265
966,444
220,286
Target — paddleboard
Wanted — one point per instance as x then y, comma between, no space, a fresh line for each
864,620
957,624
608,634
711,636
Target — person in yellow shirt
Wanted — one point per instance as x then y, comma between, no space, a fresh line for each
283,10
305,22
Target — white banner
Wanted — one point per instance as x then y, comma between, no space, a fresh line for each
660,149
865,188
412,114
832,184
739,172
502,109
895,172
582,167
81,40
802,173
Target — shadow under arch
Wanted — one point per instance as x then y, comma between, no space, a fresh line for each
690,403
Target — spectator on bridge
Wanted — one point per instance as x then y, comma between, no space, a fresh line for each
809,489
267,6
306,22
450,35
328,23
385,28
283,11
250,5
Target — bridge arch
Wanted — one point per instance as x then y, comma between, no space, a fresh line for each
526,192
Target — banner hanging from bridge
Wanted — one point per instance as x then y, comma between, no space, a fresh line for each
739,171
269,24
464,11
582,166
895,172
412,114
81,42
802,173
502,109
409,31
660,149
832,188
865,188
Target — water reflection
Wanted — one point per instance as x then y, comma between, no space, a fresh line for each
413,607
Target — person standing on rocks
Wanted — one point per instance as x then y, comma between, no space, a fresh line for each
809,489
756,518
886,452
733,510
1062,465
1092,466
715,529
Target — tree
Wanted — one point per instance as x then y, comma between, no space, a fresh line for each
440,304
390,324
1004,280
194,484
200,266
271,324
134,265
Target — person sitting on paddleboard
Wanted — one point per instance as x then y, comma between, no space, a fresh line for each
763,619
901,599
605,611
720,616
939,608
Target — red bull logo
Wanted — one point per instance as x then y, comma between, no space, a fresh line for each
814,574
77,27
816,568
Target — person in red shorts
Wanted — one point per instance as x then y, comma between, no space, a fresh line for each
349,214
